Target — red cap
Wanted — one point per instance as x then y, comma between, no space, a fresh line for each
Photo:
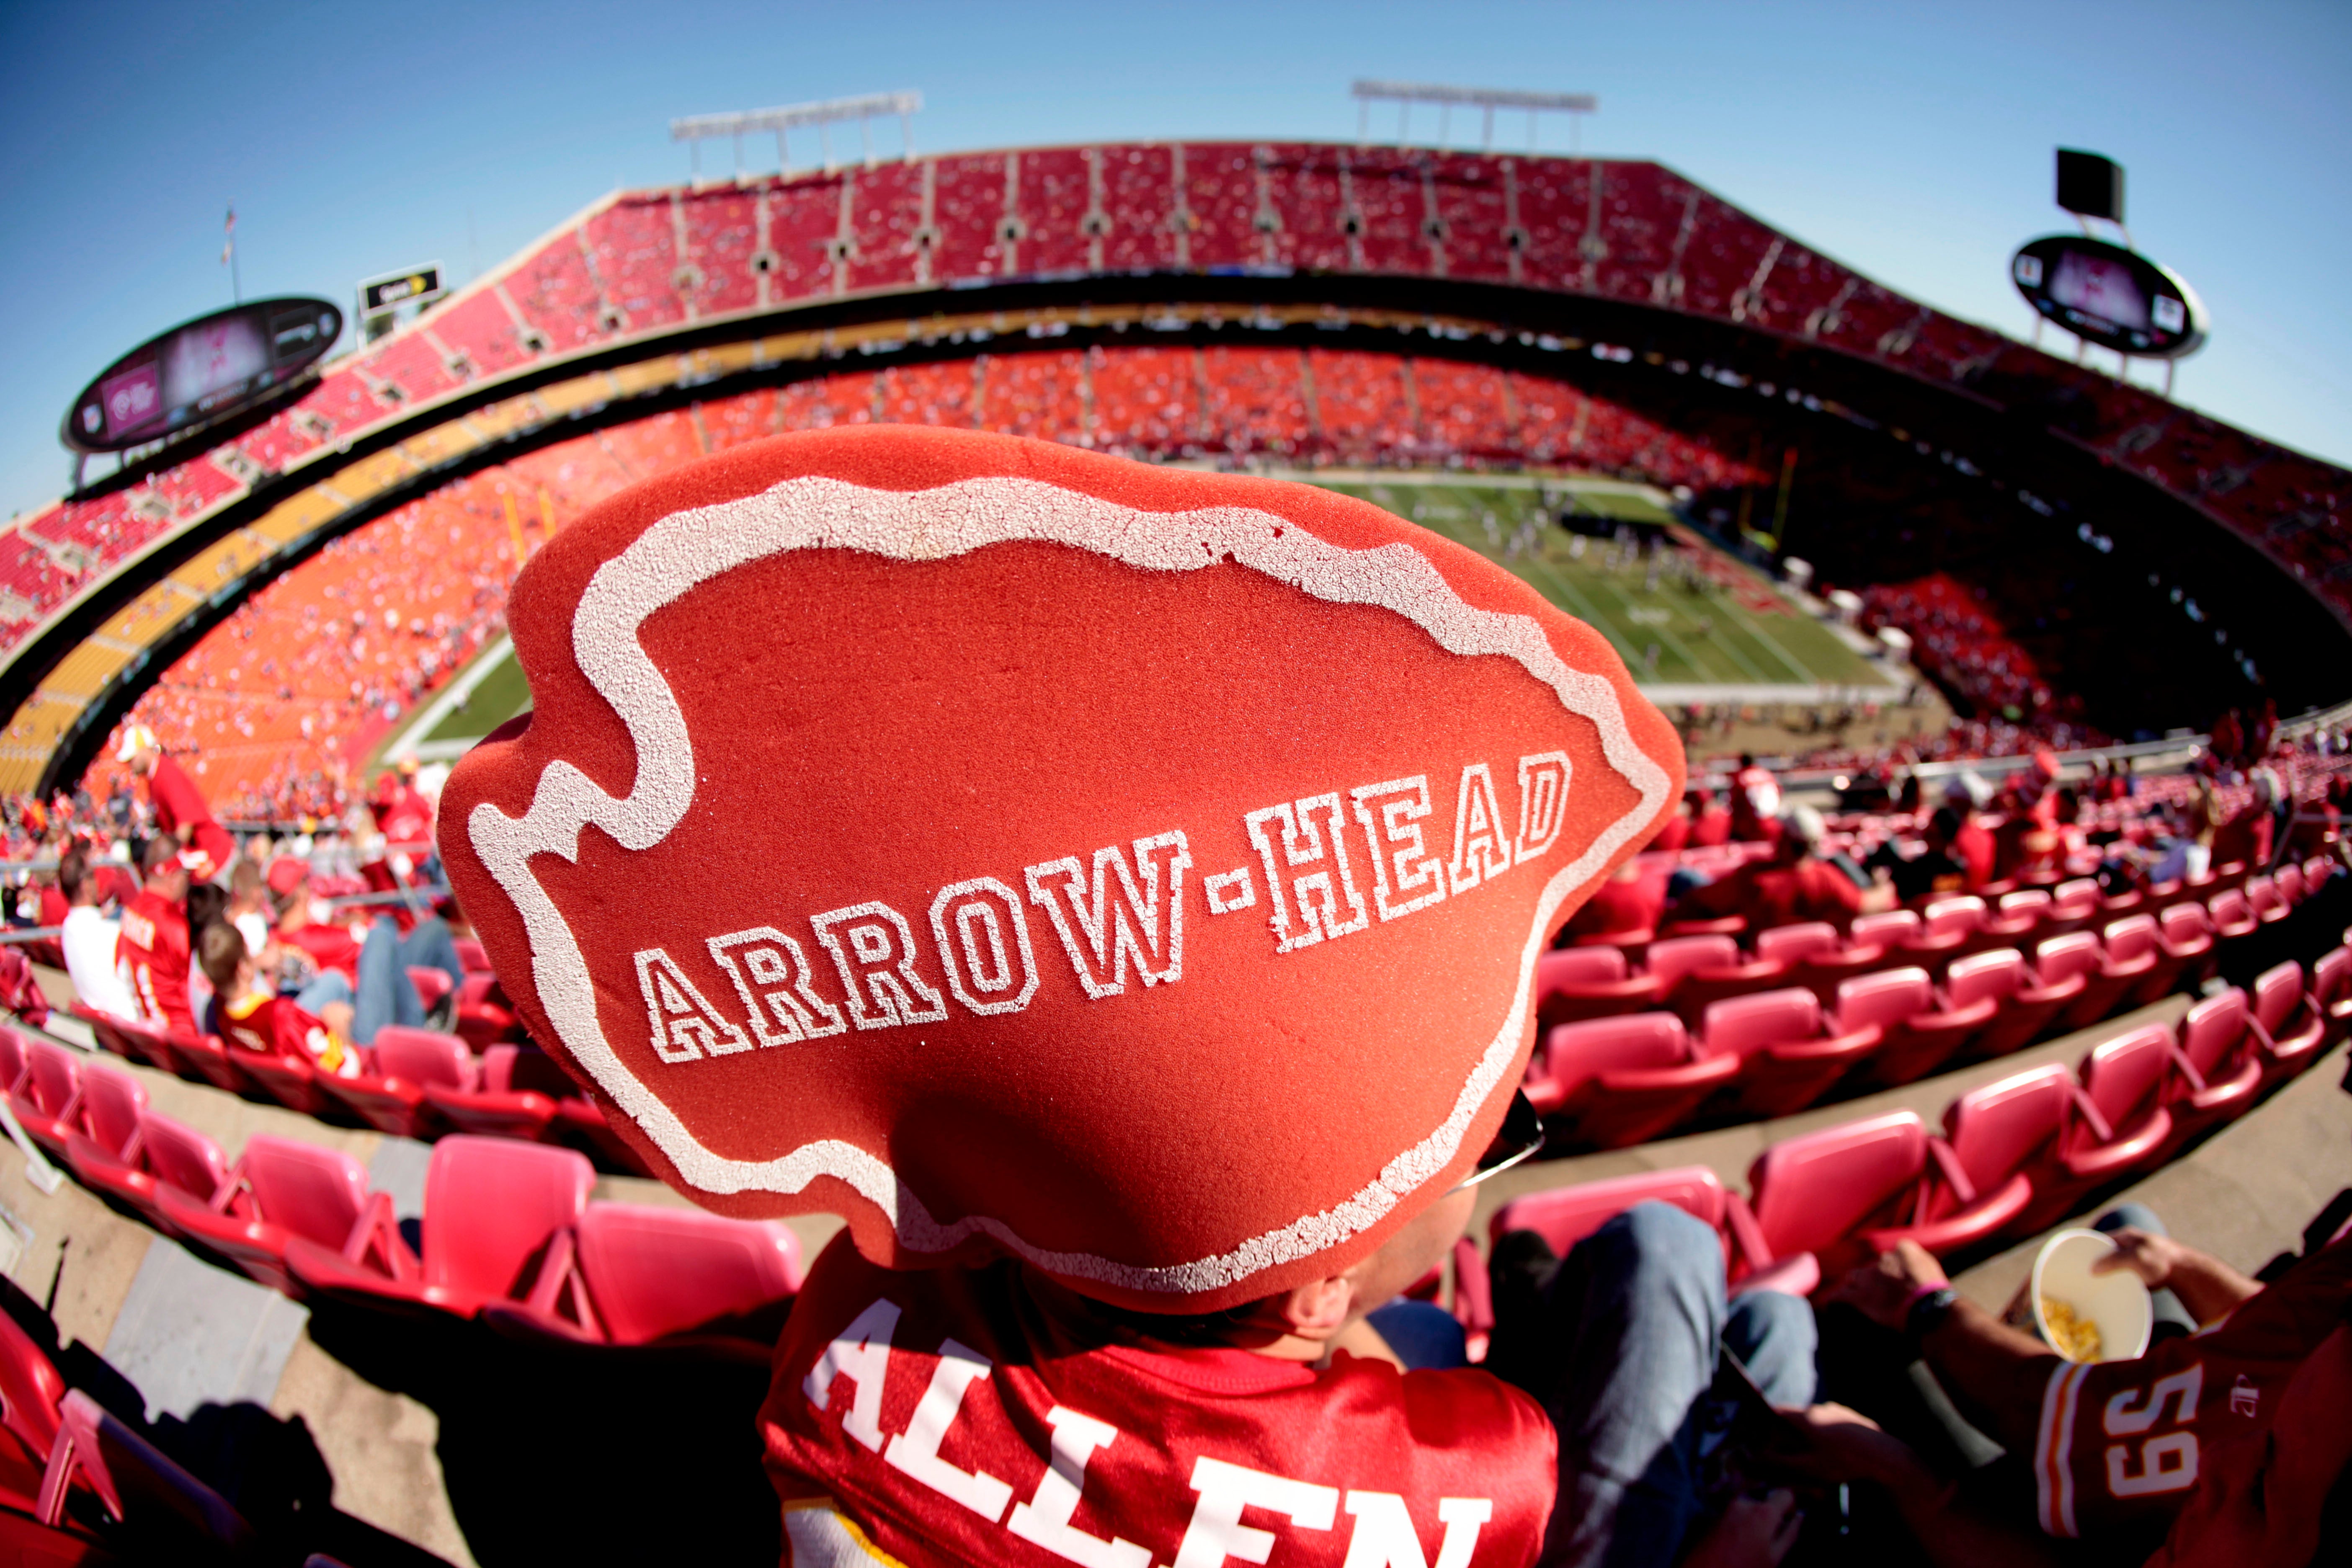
1015,850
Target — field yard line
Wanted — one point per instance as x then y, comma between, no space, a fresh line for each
1799,670
1705,673
1588,610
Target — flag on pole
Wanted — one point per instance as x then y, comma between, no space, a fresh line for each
228,237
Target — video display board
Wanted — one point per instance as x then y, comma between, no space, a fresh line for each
200,371
2115,298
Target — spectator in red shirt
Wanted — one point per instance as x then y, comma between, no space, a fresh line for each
153,950
1797,884
248,1014
1710,823
179,810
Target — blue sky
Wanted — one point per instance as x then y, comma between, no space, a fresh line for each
1911,141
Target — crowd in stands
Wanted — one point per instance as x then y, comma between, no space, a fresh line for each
1619,230
1957,637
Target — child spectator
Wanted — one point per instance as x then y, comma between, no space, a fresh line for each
247,1012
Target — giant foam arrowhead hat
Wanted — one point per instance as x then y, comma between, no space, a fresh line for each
1016,850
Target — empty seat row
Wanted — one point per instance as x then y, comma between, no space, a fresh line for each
417,1083
2013,1157
506,1223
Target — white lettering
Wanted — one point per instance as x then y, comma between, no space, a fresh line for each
980,911
1121,920
1230,890
1402,802
1045,1518
917,1449
686,1027
878,970
1384,1536
2124,1417
1302,844
863,1351
785,989
1543,802
1480,855
1217,1533
2167,1464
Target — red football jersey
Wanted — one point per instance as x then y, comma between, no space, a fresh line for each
153,949
277,1026
947,1418
2121,1443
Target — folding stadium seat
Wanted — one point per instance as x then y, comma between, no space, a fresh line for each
47,1100
2015,921
138,1483
1674,961
472,955
1819,1193
1731,926
2290,1030
1818,958
491,1207
384,1101
1973,1184
132,1042
485,1017
2073,906
1947,929
2131,944
207,1057
1921,1029
1573,984
2263,895
2027,1003
630,1275
1888,930
278,1190
2232,916
1786,1061
1607,1083
2185,931
289,1081
30,1392
492,1104
432,985
170,1154
2116,1126
2331,991
2221,1069
2078,954
1717,983
1566,1215
112,1102
15,1060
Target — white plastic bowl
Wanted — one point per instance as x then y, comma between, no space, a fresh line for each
2116,1302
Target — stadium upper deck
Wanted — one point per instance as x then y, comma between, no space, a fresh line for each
652,290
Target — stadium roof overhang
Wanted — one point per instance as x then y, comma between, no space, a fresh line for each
70,681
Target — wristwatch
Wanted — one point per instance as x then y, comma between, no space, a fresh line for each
1927,1310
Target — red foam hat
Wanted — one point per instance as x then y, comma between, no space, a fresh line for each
1016,850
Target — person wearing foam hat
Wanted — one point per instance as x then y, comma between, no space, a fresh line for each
1117,891
180,809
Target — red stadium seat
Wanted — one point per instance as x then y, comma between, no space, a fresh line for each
136,1481
2224,1071
2026,1005
1974,1185
1819,959
656,1274
1796,944
2185,931
1922,1030
207,1057
2232,915
30,1393
1676,958
2020,916
1608,1083
432,985
2262,895
1702,987
2130,944
280,1190
1573,984
112,1102
2077,954
15,1060
381,1097
133,1042
472,956
2289,1030
289,1081
1786,1061
2116,1125
1948,927
47,1100
493,1105
2073,907
1566,1215
1820,1192
491,1206
2331,991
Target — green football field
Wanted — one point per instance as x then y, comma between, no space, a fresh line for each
1705,619
1712,620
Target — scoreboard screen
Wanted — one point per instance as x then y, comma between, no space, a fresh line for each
200,371
2107,295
